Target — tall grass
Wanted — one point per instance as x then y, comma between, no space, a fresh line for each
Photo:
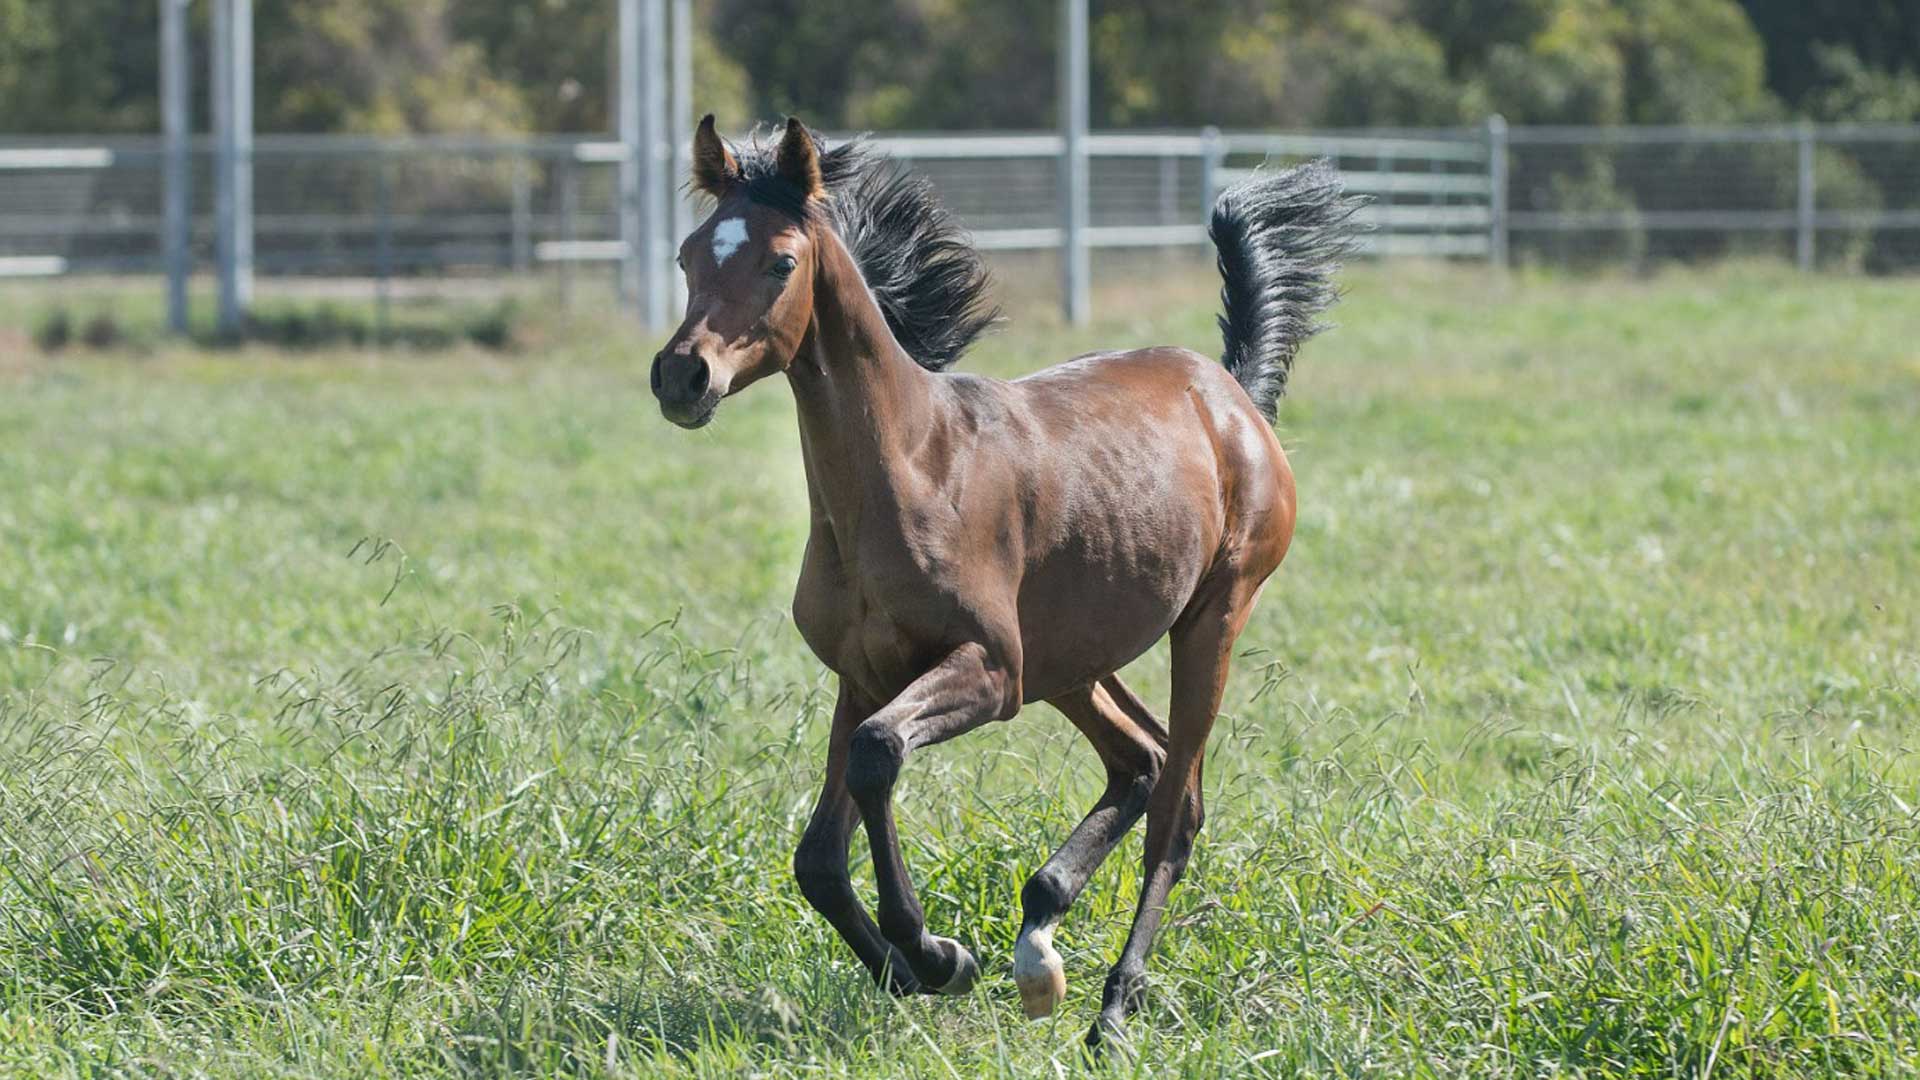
442,717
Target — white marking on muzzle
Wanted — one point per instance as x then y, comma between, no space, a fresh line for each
727,238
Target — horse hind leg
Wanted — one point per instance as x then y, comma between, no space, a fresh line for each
1202,647
1131,743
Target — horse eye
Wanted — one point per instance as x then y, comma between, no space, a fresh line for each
681,262
782,267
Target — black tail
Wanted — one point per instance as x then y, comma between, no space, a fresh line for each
1280,237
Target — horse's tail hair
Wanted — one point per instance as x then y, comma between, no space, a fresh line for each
1280,237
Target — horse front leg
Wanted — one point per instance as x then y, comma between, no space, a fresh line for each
820,862
970,687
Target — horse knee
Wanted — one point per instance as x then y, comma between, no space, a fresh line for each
1196,815
875,756
1138,777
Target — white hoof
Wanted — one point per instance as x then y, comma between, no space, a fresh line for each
1038,972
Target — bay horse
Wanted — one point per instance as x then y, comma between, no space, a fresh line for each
978,544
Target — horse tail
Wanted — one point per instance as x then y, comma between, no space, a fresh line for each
1280,237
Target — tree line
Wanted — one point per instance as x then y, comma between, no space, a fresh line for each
399,66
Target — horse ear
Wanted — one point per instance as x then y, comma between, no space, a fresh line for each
715,169
799,160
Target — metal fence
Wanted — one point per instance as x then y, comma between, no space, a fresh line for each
443,210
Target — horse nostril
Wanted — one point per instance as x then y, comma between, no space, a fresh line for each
697,382
654,378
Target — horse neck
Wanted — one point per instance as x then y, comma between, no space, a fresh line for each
864,404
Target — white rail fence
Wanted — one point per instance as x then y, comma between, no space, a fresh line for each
431,208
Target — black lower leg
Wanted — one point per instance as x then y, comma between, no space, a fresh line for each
1170,836
820,868
937,963
1053,888
1131,748
973,685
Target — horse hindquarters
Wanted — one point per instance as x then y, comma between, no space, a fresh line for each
1258,505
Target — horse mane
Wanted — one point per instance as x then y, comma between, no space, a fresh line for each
920,264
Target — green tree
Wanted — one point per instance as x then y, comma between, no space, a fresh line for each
819,60
1851,90
375,66
978,64
78,66
1468,31
561,55
1799,36
1382,71
1693,62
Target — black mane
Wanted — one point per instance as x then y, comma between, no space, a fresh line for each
929,280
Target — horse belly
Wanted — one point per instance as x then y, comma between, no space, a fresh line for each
1091,608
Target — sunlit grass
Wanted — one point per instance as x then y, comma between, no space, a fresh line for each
440,714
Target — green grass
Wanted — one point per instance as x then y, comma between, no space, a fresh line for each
442,716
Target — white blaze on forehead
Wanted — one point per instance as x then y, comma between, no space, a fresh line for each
727,238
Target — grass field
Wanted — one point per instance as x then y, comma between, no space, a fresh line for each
442,715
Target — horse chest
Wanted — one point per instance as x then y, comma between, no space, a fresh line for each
876,623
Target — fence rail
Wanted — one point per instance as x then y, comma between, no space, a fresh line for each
464,206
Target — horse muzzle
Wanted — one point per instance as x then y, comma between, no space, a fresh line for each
684,386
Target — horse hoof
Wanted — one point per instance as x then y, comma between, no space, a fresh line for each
965,969
1106,1033
898,980
1039,974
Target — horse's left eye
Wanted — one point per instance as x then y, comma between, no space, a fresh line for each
782,267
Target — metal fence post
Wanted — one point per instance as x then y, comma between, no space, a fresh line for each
681,126
233,126
627,118
569,208
643,205
176,121
1076,296
383,252
1169,189
1212,157
1803,216
522,213
1497,191
655,158
1383,203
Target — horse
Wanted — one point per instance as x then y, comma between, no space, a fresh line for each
977,545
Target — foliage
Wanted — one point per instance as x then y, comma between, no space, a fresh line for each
1692,62
375,66
440,717
1569,72
1883,35
1851,90
1380,71
493,65
78,66
559,55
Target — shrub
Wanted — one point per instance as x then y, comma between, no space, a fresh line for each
102,332
494,327
55,331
